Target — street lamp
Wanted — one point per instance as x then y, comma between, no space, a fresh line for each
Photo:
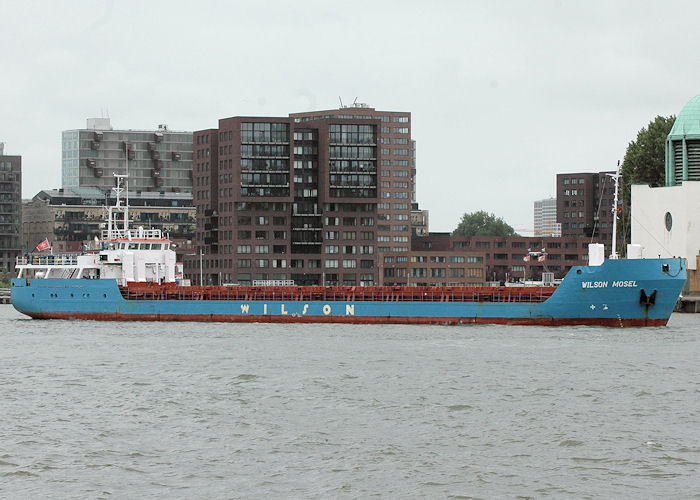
201,266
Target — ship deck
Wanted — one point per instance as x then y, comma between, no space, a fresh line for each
141,291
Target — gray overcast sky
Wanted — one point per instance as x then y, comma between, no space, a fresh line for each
503,95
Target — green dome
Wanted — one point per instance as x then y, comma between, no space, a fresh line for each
688,121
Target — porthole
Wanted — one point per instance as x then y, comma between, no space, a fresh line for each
578,271
668,221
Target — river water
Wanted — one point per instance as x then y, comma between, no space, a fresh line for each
193,410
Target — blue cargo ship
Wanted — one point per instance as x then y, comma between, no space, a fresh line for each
622,292
131,275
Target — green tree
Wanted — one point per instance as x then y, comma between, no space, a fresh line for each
644,163
481,223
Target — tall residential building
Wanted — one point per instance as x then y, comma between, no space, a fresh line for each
159,160
546,218
287,199
10,211
397,170
584,205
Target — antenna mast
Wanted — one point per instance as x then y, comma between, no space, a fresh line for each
616,178
126,188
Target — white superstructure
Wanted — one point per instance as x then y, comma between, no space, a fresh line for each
123,254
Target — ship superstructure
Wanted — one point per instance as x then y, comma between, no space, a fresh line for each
122,254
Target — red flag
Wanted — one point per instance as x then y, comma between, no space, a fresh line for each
541,258
43,245
526,258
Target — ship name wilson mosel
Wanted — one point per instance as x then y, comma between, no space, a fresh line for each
604,284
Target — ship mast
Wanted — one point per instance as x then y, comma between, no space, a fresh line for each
616,178
126,189
122,186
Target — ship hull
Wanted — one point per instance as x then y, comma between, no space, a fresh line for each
618,293
360,320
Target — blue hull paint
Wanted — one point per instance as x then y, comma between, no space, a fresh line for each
608,294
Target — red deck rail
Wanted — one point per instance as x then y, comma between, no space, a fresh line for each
143,291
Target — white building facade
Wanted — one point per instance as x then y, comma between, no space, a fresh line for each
666,221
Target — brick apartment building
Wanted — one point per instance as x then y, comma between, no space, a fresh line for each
326,198
584,205
396,171
10,210
287,199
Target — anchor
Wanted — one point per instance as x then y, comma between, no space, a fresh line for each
647,300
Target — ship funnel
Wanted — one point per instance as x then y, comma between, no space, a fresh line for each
596,254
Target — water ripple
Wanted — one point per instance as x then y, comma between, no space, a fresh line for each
93,410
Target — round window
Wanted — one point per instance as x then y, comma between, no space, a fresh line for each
668,220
